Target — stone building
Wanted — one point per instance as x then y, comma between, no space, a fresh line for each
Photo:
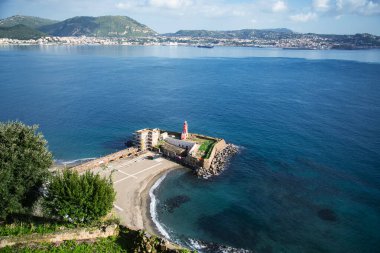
146,138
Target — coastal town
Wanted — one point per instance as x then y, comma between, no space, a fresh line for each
306,41
122,30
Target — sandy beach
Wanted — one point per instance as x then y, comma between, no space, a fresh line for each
145,201
132,179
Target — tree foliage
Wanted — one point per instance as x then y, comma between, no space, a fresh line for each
24,163
78,198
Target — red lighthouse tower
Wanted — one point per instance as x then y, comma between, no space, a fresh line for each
185,132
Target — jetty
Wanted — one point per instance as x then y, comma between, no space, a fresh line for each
206,155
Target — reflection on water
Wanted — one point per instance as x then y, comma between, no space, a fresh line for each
372,55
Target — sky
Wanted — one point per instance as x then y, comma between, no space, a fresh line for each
317,16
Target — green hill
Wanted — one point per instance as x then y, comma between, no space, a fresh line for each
33,22
105,26
20,32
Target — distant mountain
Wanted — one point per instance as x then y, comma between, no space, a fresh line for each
32,22
279,33
105,26
277,30
20,32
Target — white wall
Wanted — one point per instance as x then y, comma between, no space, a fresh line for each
180,143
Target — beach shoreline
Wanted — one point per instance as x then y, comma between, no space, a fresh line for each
146,200
133,179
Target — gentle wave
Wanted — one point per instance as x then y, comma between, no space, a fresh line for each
153,207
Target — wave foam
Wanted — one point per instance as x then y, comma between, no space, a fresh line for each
76,161
206,247
153,208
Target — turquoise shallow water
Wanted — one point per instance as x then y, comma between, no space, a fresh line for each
307,178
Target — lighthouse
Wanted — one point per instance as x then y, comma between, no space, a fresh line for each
185,132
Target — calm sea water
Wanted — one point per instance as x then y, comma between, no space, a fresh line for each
307,178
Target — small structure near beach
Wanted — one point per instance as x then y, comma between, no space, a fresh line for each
206,155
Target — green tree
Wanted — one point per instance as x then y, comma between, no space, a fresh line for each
78,198
24,163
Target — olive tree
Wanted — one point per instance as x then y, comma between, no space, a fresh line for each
24,163
78,198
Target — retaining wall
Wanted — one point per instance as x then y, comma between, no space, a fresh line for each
220,145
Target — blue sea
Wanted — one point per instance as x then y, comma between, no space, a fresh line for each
307,123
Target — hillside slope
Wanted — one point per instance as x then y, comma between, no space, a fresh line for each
105,26
32,22
20,32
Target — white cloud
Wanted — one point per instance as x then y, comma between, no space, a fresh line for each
126,5
279,6
130,4
373,8
170,4
210,9
321,5
360,7
304,17
154,4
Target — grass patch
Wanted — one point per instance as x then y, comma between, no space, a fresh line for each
206,148
127,241
40,225
109,245
22,228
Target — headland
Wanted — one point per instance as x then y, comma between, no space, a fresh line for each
135,170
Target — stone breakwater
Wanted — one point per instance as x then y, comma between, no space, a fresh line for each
105,160
219,162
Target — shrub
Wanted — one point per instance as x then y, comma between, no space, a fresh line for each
78,198
24,163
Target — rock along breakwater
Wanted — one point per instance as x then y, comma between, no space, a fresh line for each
219,162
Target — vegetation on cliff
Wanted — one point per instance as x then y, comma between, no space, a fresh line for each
125,240
30,227
108,245
78,198
24,163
